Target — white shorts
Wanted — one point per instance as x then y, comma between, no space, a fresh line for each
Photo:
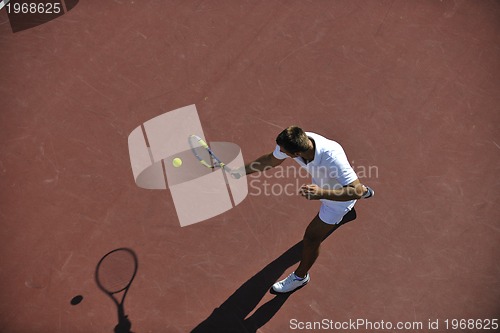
332,215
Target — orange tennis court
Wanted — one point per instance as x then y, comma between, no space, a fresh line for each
408,88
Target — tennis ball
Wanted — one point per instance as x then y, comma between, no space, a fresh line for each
177,162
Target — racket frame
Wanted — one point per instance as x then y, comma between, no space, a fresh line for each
203,144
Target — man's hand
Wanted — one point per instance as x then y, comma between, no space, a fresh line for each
353,191
311,192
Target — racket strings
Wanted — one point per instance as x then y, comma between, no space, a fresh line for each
200,150
116,271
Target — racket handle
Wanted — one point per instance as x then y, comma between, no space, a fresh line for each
237,173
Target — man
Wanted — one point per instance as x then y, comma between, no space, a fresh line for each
334,183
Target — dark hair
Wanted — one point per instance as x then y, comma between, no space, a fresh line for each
293,139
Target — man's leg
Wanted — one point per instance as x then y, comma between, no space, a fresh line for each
314,235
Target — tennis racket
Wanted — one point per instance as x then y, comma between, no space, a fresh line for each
114,274
206,156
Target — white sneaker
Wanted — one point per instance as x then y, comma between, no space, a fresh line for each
291,283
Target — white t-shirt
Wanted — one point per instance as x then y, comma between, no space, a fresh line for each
329,169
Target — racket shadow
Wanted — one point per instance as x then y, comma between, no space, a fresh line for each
231,316
114,275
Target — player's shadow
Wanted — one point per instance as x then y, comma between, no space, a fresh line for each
231,316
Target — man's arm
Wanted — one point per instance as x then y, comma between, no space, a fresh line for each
263,163
352,191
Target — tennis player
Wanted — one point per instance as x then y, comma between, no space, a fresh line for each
334,183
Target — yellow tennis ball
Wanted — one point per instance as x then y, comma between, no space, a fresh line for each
177,162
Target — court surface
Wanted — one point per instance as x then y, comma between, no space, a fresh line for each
409,88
